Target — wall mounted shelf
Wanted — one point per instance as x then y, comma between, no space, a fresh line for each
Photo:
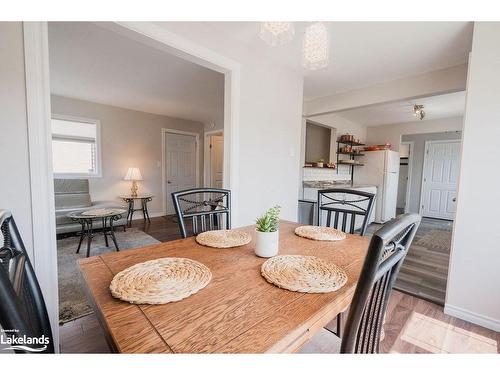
351,155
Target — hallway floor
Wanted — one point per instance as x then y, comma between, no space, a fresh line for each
425,269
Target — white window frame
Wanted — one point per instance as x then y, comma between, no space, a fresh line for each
98,149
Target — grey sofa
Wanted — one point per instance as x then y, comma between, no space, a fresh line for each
73,195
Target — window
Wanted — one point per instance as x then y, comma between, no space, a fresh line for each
75,147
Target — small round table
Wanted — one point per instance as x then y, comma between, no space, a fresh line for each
86,219
144,206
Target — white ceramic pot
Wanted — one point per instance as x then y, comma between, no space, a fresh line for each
320,165
266,244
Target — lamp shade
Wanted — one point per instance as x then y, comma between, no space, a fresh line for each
133,174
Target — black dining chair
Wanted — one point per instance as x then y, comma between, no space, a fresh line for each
203,208
22,308
386,253
341,207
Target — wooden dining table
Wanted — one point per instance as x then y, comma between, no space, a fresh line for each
237,312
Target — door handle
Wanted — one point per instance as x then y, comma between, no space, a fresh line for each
169,182
454,199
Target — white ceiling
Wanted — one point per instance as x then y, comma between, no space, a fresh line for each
92,63
365,53
440,106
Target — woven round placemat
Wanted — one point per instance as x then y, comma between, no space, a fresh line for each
320,233
160,281
301,273
223,238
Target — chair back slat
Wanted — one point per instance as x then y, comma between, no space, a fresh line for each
353,222
386,253
203,223
344,221
194,224
346,205
22,307
210,222
209,209
336,221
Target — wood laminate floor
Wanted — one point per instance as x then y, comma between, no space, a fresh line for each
163,228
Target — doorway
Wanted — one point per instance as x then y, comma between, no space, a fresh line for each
433,163
39,130
440,179
214,159
180,163
404,184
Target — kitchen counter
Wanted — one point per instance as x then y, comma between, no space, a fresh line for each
308,201
333,184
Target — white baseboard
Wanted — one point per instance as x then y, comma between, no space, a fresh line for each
469,316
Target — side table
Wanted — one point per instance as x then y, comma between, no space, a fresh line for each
131,206
86,220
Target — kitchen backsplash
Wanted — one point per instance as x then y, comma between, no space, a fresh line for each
324,174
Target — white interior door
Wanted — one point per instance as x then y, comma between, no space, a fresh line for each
216,160
440,178
180,165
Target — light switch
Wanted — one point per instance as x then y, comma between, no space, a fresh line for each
158,164
292,152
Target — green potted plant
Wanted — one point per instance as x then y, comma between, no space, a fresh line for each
267,233
320,163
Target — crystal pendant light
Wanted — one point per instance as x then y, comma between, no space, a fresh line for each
315,46
277,33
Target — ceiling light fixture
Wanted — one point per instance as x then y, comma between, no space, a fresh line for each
315,53
277,33
418,111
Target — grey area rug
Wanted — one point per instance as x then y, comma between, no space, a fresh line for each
73,302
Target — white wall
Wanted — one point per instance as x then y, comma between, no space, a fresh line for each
15,192
474,277
128,139
392,133
270,111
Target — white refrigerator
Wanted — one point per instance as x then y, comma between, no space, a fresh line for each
381,168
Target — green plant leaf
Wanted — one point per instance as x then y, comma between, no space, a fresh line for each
269,222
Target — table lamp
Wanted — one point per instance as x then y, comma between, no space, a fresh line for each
134,175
